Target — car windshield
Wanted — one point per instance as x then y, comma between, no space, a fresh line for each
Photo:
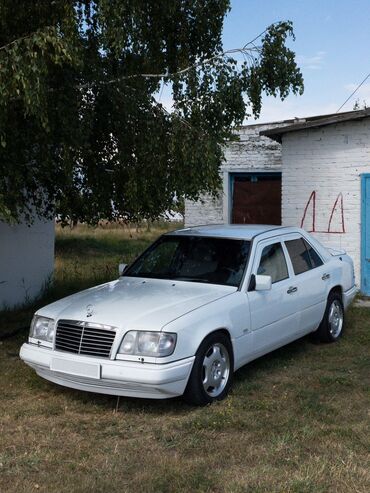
194,259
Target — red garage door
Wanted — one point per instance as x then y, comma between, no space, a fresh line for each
256,198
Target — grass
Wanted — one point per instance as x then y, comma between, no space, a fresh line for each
296,421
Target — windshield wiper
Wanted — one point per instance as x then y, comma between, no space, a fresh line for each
190,279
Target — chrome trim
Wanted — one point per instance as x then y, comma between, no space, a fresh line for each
84,338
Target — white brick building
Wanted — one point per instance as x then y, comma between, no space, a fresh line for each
252,156
325,181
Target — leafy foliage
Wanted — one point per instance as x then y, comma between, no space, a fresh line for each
81,130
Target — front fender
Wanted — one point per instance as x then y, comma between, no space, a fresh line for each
230,313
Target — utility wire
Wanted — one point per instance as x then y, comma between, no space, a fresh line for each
354,92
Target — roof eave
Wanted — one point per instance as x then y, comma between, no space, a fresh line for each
277,133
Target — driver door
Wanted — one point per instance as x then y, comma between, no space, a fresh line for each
275,312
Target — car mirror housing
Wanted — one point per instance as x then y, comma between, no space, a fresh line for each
121,268
263,283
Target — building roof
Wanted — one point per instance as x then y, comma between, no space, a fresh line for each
241,231
314,122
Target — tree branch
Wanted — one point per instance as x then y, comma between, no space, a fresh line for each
28,36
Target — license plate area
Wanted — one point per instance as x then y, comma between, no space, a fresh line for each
78,368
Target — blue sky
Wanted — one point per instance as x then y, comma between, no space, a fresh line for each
332,46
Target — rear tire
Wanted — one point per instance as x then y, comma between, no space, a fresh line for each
332,324
212,374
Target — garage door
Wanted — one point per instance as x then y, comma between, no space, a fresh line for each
256,198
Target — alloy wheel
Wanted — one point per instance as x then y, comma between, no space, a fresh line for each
216,369
335,319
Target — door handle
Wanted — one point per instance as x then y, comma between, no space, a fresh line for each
292,289
325,277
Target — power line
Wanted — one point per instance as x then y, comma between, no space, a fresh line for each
354,92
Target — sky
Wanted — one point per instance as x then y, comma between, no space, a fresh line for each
332,48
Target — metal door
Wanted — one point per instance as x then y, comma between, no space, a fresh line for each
365,235
256,198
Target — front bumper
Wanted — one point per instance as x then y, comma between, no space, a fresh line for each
126,378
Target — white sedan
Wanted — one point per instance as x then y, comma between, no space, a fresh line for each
197,305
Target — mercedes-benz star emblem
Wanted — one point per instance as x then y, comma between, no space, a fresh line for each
89,310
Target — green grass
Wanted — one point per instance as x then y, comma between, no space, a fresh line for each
296,421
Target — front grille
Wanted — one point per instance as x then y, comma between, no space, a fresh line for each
84,338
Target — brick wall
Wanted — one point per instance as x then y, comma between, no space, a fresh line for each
204,211
251,153
327,161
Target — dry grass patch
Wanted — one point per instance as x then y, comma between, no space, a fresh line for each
297,420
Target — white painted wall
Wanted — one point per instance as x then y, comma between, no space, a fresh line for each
26,261
329,161
252,153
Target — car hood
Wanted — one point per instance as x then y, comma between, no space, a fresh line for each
136,303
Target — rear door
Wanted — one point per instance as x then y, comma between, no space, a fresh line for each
275,312
311,278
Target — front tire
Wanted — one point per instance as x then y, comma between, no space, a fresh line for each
332,324
212,373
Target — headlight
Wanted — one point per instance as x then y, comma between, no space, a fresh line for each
157,344
42,328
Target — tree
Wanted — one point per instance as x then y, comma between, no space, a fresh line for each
81,131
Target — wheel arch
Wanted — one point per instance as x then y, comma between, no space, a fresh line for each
338,289
224,330
221,330
195,392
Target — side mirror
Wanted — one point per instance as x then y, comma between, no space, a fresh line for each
121,268
263,283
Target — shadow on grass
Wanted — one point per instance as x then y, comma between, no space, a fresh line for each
122,405
248,374
276,359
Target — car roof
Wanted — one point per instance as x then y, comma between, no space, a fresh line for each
240,231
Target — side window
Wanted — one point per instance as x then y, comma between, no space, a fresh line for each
273,263
302,255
